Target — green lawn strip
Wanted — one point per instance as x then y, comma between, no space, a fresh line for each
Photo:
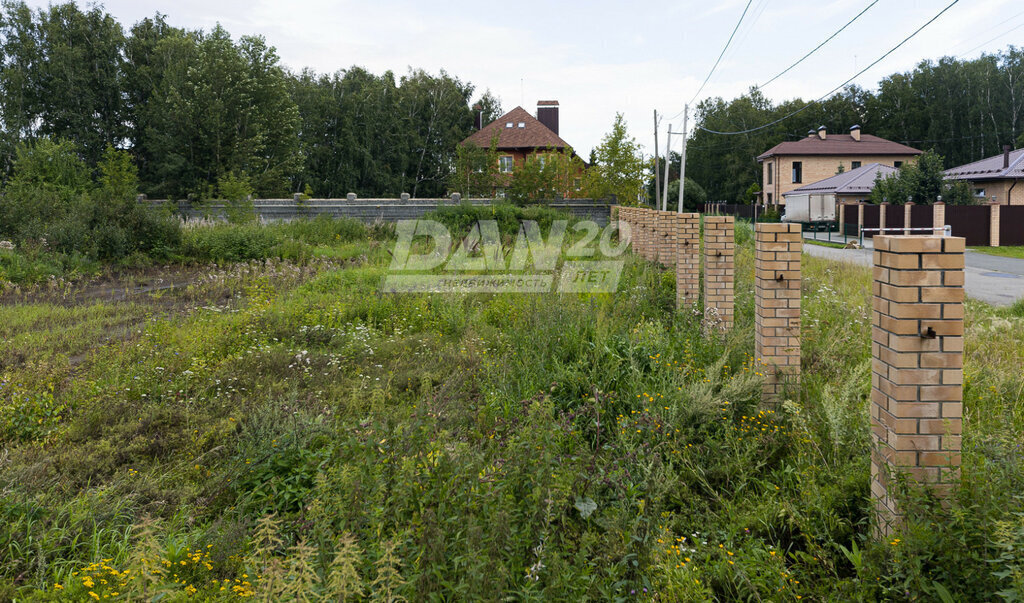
1006,252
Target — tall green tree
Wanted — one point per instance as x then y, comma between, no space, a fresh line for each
922,182
61,76
619,169
220,108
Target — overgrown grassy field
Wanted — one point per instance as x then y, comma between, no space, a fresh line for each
309,438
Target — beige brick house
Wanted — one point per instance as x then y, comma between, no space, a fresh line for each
998,177
819,155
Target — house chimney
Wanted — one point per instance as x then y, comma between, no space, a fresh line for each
855,132
478,116
822,134
811,133
1006,155
547,114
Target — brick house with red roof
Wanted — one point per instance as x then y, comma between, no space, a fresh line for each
819,155
521,135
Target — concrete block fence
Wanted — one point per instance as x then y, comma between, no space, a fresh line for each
373,210
917,346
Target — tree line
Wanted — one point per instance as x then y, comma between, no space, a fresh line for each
196,109
964,110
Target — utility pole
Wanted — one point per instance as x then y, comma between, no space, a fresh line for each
682,158
657,183
668,162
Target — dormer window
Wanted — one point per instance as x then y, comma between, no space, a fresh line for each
508,124
522,124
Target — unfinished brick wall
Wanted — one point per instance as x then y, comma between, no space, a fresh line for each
624,219
917,367
687,243
777,249
646,227
659,237
719,270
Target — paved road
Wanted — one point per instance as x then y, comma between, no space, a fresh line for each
989,278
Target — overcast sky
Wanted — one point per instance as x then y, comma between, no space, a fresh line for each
600,57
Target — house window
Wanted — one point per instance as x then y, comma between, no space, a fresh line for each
769,198
979,192
577,183
543,160
798,172
854,165
505,164
508,124
769,173
500,193
522,124
897,164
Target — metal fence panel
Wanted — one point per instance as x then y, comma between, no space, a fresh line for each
1011,224
971,222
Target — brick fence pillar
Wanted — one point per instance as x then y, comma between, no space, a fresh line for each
777,306
659,237
668,225
842,218
882,210
719,271
687,259
939,218
860,217
917,367
993,225
906,217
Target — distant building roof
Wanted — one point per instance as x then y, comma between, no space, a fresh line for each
839,144
990,168
532,135
856,181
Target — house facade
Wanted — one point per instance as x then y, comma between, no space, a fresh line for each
997,178
790,165
848,187
521,135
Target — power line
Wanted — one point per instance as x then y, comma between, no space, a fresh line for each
715,66
992,40
816,48
830,92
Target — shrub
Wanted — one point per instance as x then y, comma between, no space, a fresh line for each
324,230
229,243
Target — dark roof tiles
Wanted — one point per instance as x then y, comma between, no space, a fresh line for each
990,168
839,144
